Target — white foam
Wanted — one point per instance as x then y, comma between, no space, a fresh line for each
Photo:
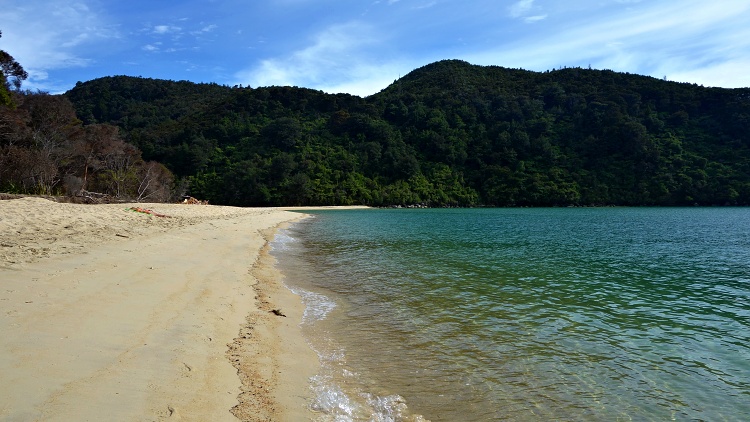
317,306
334,404
331,400
282,241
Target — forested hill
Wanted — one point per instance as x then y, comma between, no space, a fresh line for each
449,133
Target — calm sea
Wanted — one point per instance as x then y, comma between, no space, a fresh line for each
526,314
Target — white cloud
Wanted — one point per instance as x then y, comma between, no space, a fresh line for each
337,61
38,75
689,40
77,40
424,6
654,39
537,18
204,30
44,36
166,29
70,11
521,8
367,78
728,74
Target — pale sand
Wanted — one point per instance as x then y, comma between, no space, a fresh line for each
110,314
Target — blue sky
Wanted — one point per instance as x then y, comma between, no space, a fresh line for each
360,47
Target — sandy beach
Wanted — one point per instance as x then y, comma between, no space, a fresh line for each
112,314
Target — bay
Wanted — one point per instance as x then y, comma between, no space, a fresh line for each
526,314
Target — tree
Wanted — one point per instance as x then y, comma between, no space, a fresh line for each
446,134
283,133
42,143
154,182
11,75
98,143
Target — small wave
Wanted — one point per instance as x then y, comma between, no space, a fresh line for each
331,400
282,241
335,405
336,398
317,306
391,409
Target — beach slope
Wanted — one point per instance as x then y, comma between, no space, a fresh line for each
107,313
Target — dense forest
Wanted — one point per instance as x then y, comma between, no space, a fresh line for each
447,134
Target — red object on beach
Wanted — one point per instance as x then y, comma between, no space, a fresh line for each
146,211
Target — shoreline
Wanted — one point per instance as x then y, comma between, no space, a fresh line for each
121,315
271,350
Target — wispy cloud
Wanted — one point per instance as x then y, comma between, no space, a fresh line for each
166,29
205,29
424,5
77,40
44,36
521,8
653,39
263,43
537,18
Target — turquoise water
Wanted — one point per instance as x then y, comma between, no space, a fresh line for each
526,314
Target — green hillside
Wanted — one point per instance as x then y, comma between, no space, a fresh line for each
449,133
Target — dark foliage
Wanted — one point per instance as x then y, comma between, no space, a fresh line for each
46,150
447,134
